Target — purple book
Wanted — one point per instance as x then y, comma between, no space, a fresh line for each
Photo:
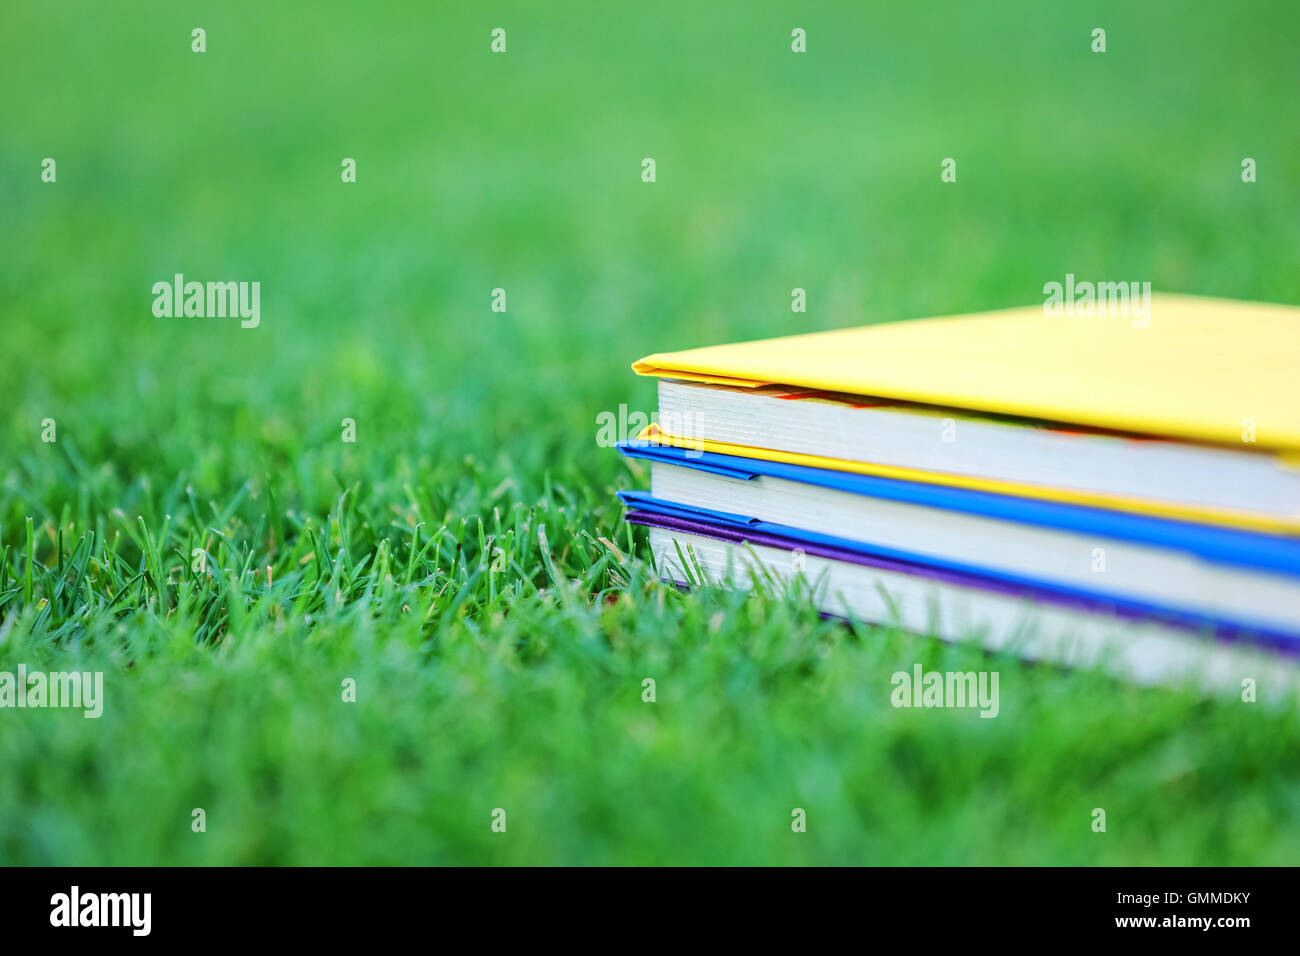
1132,610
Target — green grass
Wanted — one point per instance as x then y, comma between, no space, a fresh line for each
512,678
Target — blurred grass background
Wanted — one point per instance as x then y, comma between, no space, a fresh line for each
521,689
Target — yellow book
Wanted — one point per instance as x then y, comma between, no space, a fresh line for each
1219,379
1193,368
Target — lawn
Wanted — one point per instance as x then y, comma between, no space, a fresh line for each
200,531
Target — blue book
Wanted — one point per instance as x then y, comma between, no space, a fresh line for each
1203,574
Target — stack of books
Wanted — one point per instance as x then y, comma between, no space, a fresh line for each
1090,491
